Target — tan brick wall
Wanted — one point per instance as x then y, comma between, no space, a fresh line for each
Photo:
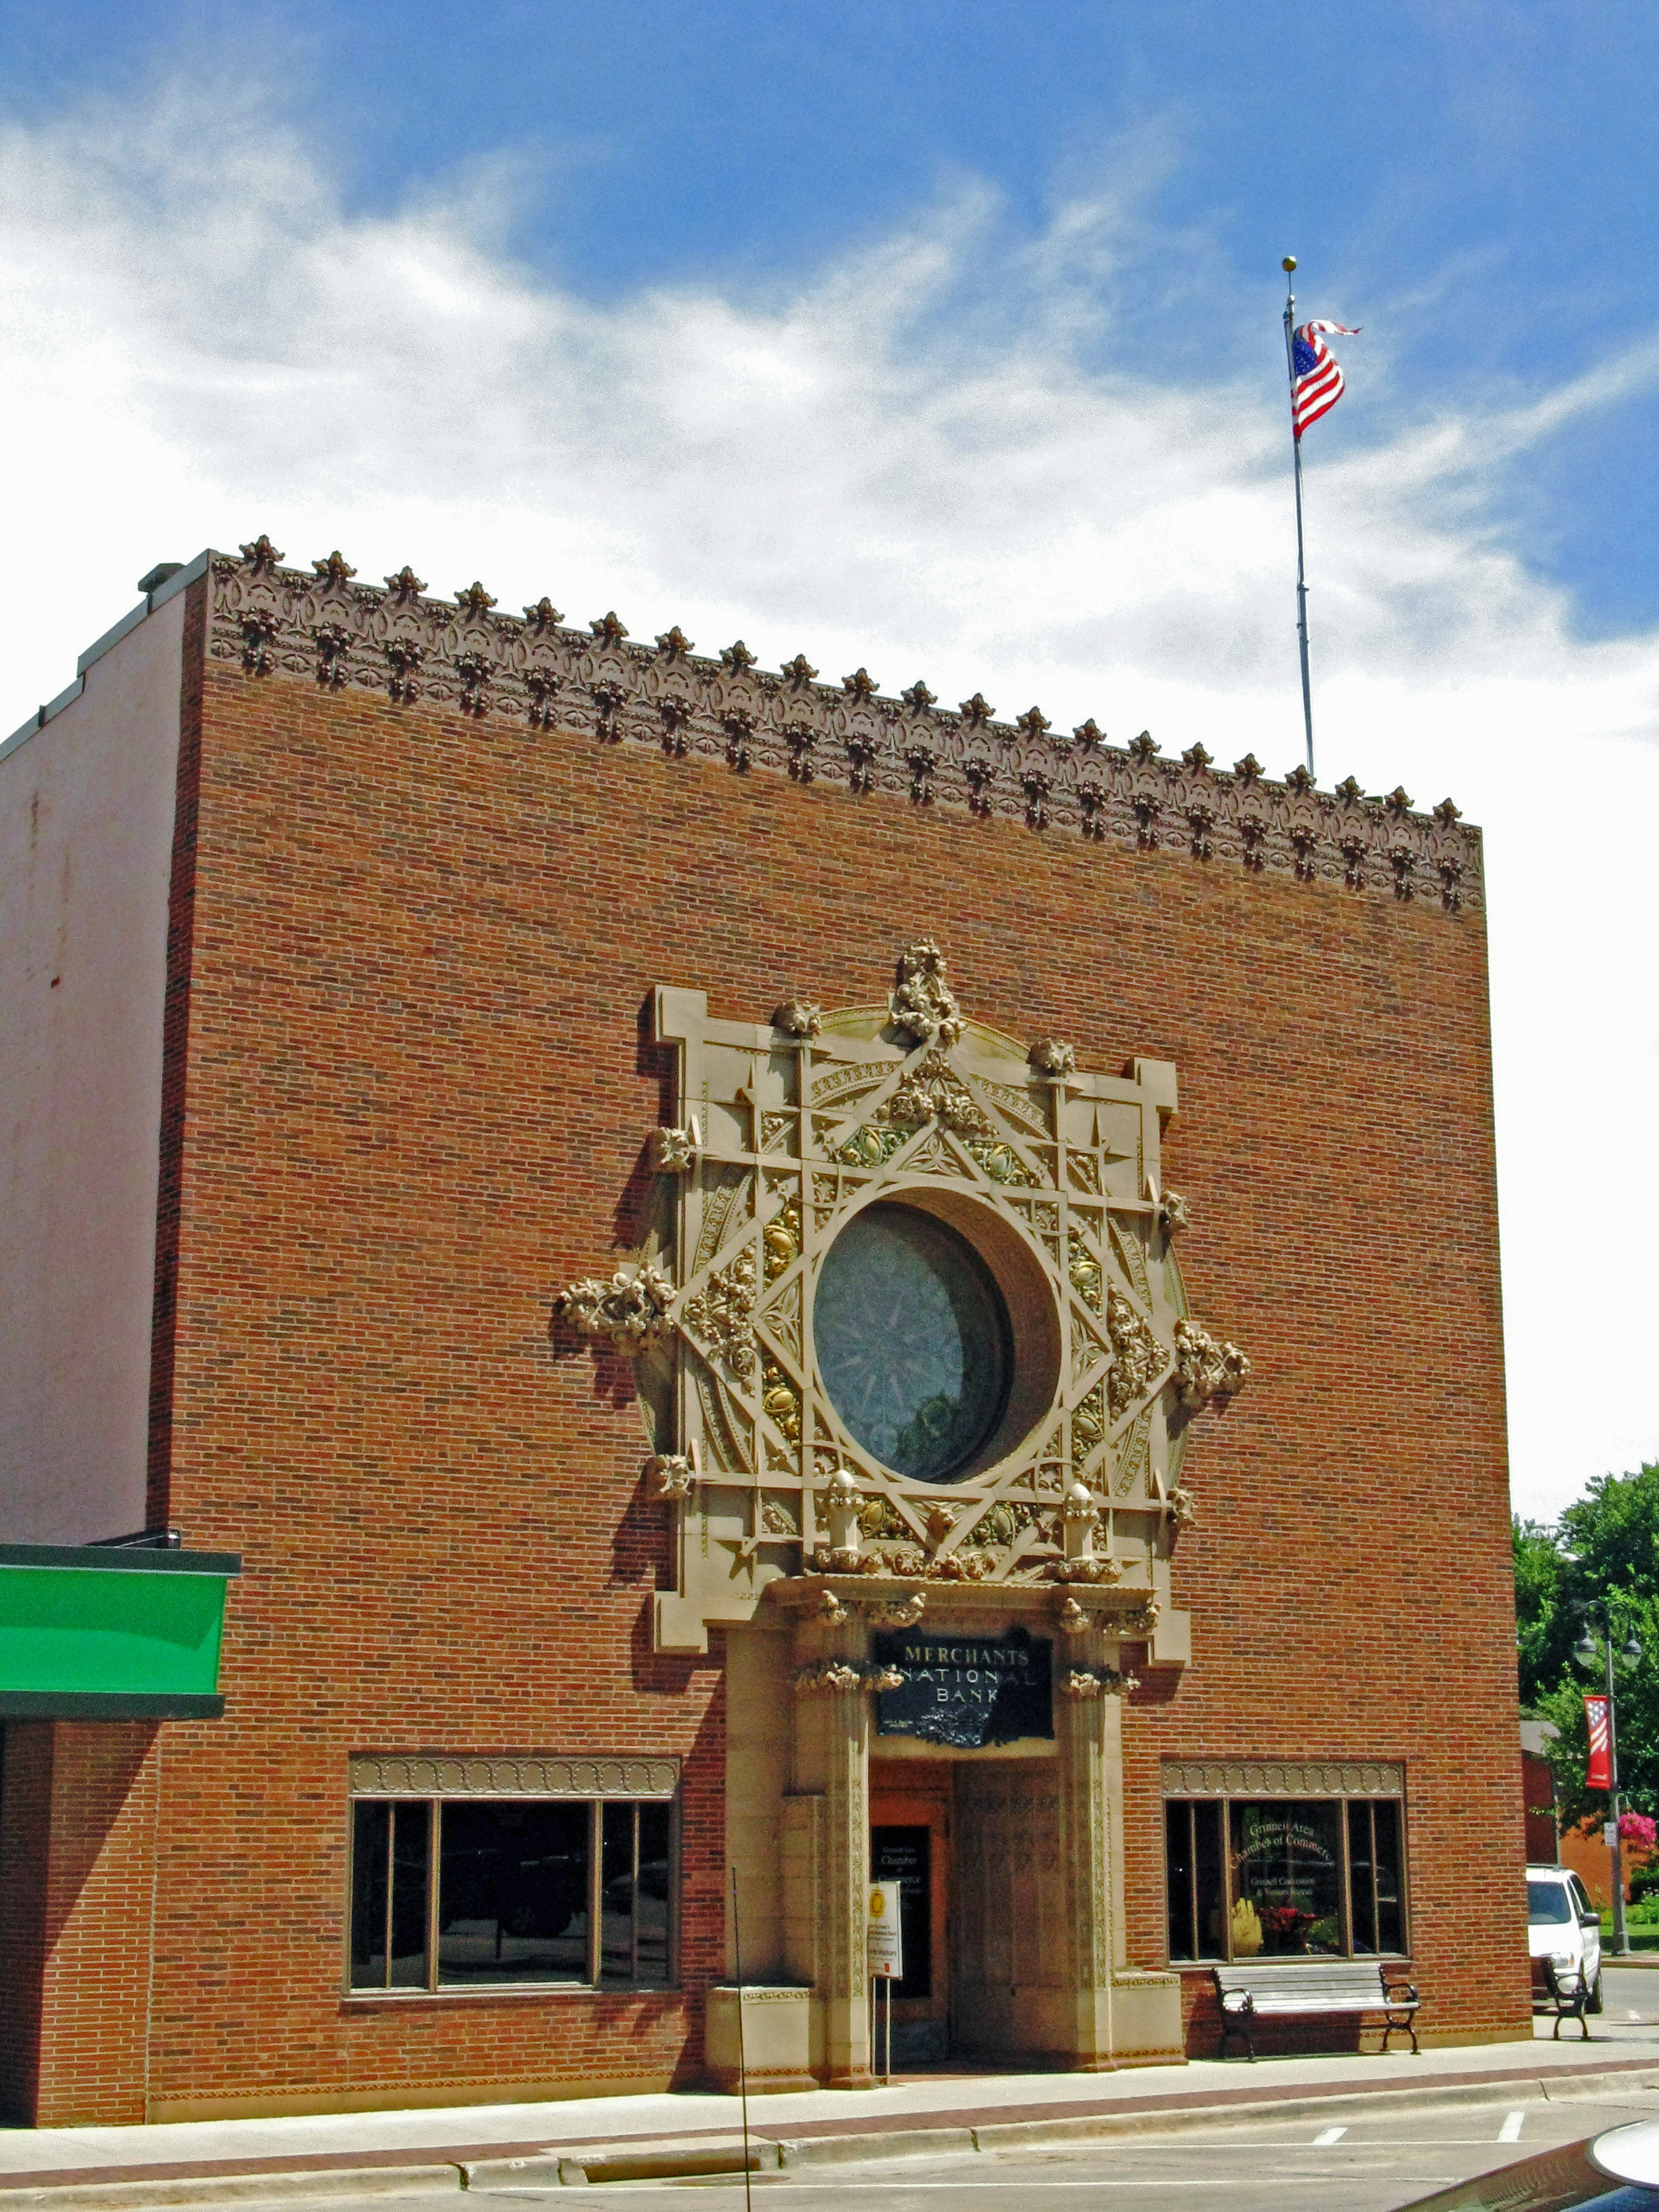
414,1105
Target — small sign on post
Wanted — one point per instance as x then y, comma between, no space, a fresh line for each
884,1955
884,1939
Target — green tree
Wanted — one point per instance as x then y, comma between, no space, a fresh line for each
1604,1548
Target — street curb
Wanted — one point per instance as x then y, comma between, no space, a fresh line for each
1322,2105
351,2184
894,2142
642,2158
1103,2127
717,2152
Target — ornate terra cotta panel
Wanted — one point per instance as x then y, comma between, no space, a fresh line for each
434,1774
787,1133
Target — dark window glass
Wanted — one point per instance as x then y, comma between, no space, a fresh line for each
1286,1878
1209,1881
1279,1887
1197,1891
618,1886
513,1892
391,1884
1390,1896
1548,1904
371,1840
1362,1880
651,1928
411,1851
905,1856
1178,1853
514,1884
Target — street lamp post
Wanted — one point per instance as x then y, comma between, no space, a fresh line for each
1587,1652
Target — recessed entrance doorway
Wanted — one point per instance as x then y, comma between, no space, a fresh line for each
974,1843
911,1844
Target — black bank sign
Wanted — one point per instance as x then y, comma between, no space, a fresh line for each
966,1691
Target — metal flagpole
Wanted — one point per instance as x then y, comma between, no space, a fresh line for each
1289,265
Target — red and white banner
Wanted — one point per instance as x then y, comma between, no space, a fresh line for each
1598,1775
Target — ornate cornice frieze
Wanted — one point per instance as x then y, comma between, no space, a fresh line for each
429,1774
1098,1682
470,659
826,1678
1284,1778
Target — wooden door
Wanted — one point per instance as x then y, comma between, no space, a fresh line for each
910,1844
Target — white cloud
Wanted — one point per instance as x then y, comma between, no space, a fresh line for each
930,458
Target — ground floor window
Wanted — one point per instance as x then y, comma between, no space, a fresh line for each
1273,1877
466,1893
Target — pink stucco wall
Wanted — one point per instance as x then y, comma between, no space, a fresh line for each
86,833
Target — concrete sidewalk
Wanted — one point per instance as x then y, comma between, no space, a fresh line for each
866,2123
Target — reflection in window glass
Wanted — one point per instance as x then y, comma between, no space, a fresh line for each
634,1883
1297,1877
371,1865
1390,1888
391,1855
618,1886
1286,1878
411,1845
513,1892
651,1898
522,1889
1548,1905
1197,1893
1374,1876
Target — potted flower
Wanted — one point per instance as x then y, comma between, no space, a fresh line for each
1287,1926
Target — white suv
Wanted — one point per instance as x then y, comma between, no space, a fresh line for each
1565,1927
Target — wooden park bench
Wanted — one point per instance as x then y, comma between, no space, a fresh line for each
1249,1994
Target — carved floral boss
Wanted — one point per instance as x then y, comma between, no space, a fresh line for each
802,1126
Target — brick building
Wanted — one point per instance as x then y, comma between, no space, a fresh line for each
687,1228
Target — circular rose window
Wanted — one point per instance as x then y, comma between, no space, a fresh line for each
913,1342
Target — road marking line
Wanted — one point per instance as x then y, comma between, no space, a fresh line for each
1511,2131
1331,2135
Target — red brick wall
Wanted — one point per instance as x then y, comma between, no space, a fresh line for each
414,1106
77,1874
24,1843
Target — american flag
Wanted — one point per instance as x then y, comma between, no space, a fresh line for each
1315,379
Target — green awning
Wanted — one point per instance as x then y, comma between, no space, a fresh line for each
90,1632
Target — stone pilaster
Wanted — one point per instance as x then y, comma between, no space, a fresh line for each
1119,2017
830,1796
1088,1772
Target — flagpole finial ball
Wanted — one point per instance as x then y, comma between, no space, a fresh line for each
1288,264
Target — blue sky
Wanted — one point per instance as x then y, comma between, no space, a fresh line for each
1474,181
947,339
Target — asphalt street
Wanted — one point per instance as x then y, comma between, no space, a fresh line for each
1366,2166
1376,2164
